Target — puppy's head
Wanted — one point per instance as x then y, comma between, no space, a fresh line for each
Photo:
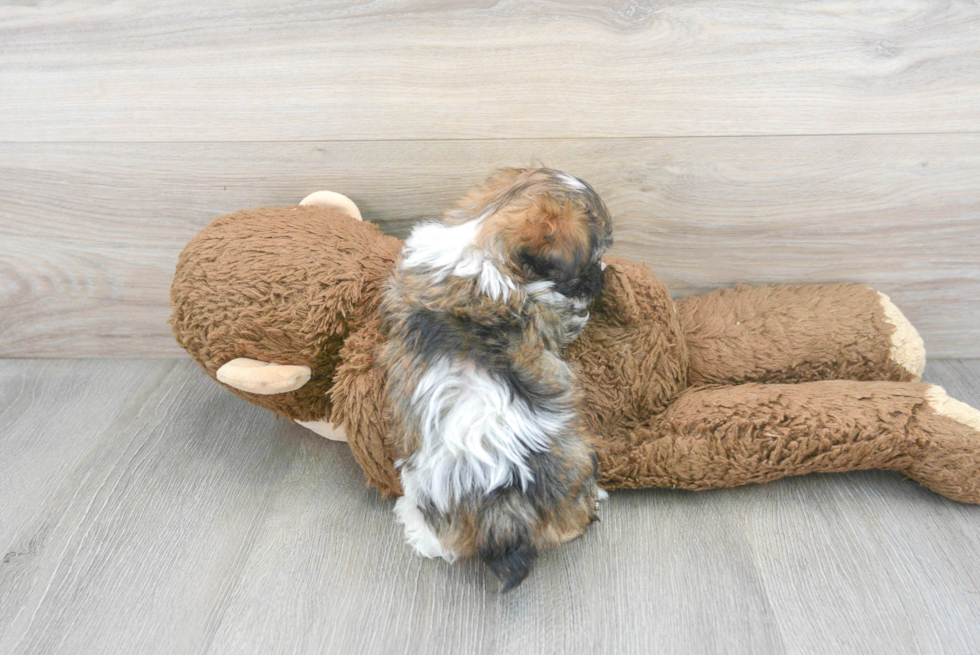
545,225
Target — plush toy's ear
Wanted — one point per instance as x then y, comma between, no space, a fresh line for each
264,378
333,199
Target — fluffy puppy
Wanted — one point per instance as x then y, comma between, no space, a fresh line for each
494,460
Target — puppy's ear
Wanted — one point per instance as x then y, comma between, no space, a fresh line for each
555,240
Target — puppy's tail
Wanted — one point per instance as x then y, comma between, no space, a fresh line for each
511,562
507,524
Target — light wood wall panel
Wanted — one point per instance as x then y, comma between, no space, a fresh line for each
181,70
90,233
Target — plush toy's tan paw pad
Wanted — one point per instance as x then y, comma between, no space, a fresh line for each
952,408
907,350
333,199
325,429
263,378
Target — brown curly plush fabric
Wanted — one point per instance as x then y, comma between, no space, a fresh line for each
283,285
738,386
766,334
722,436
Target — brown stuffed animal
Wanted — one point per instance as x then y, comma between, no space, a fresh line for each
740,385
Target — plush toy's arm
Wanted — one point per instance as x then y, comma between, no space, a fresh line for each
798,334
723,436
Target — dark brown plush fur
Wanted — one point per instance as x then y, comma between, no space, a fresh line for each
302,285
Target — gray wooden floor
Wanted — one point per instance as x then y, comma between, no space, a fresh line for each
146,510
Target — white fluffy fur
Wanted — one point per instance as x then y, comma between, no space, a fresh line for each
476,436
438,247
571,181
450,250
579,322
543,291
418,532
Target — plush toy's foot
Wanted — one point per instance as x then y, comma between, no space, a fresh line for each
720,436
333,199
948,458
907,348
952,408
799,334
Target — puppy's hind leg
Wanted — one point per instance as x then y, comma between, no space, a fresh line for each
419,533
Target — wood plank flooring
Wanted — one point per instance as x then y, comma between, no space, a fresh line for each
145,509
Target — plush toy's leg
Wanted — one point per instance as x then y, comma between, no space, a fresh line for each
723,436
799,334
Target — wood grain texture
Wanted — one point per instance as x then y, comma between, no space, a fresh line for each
870,545
91,232
410,69
126,538
147,510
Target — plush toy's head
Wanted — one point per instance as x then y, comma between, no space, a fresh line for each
285,285
302,285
